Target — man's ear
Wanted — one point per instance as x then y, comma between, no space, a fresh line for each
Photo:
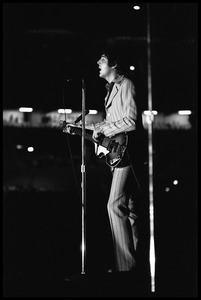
114,66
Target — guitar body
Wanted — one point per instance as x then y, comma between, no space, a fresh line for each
112,149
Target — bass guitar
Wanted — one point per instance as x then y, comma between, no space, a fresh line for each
112,149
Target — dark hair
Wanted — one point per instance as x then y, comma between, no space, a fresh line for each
115,57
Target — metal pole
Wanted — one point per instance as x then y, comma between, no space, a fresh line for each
150,154
83,171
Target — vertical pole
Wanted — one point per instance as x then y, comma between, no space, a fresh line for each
83,171
150,155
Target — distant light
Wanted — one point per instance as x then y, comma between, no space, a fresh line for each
136,7
132,68
167,189
93,112
25,109
30,149
19,147
63,111
185,112
148,112
175,182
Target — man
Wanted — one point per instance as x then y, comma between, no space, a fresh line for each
121,117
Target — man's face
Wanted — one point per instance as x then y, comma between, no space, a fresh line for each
105,70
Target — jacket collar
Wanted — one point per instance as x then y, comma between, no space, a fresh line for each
117,83
118,80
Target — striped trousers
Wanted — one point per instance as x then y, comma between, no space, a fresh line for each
122,220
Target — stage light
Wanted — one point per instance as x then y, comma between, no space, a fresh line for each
93,112
148,112
25,109
136,7
167,189
30,149
63,111
132,68
175,182
185,112
19,147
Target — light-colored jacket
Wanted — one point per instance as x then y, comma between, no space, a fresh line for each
121,110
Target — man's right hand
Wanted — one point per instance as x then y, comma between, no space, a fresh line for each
68,128
96,134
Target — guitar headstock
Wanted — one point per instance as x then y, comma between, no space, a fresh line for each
67,127
62,124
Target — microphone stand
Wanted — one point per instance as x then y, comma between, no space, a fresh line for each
83,187
83,184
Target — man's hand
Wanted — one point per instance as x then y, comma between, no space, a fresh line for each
68,129
96,134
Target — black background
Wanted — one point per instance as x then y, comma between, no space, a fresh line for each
43,45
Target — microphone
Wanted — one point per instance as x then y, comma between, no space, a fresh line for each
80,117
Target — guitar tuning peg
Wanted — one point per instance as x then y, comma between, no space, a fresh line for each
62,124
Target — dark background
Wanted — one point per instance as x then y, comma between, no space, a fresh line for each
43,46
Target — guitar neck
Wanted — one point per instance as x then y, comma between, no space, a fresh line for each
88,133
112,148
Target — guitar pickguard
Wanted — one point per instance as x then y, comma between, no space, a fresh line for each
100,151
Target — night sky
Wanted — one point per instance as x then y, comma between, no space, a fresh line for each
45,44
